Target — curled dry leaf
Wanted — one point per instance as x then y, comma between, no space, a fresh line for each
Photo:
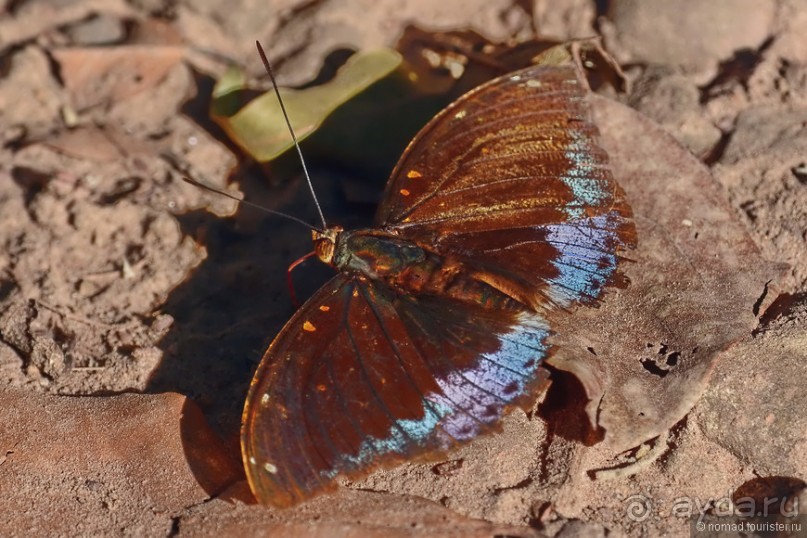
455,61
646,355
108,75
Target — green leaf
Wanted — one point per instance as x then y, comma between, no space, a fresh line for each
226,93
259,128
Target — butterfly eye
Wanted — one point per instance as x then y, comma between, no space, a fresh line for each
324,248
325,244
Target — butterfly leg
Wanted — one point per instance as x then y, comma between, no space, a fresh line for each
290,281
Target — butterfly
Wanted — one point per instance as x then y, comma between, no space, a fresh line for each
501,213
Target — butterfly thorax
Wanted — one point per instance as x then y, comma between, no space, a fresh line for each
407,266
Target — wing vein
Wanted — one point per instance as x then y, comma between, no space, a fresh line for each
450,368
398,356
366,376
461,163
507,119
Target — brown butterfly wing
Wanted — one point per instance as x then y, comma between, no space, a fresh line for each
511,180
361,377
511,177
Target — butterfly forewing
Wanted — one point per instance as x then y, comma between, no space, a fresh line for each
511,176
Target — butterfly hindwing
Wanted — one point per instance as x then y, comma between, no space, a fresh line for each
362,377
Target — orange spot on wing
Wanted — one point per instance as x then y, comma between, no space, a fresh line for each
324,308
308,326
405,192
413,174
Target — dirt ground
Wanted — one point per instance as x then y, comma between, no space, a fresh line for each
134,307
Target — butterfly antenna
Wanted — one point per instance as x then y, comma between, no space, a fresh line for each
271,73
250,204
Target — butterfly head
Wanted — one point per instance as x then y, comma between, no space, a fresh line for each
325,243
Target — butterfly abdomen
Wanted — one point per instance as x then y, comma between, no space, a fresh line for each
411,269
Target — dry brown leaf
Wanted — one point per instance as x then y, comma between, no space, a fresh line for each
99,463
101,76
646,355
100,144
87,143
